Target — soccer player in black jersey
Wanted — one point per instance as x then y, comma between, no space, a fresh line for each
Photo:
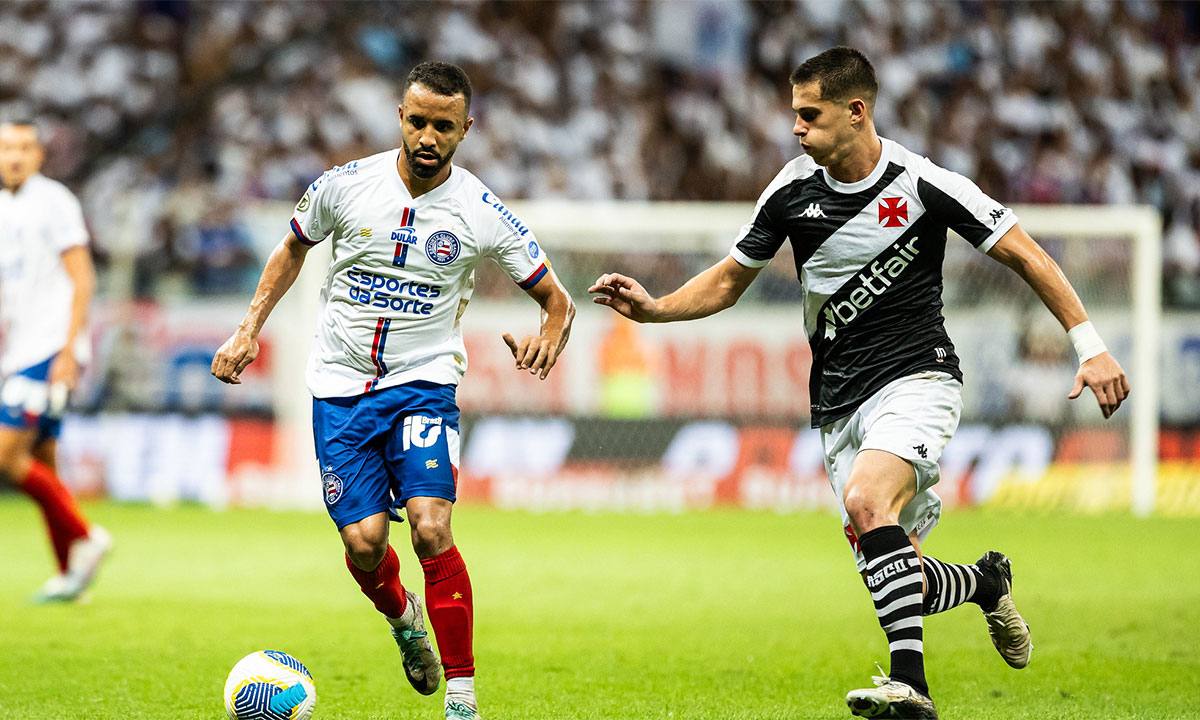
867,220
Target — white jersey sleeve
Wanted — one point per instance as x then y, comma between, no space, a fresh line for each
511,244
960,205
70,229
313,219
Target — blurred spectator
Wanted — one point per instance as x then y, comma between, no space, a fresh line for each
1078,102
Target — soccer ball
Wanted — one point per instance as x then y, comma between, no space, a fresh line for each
269,685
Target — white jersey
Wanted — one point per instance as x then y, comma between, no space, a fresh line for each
402,273
38,222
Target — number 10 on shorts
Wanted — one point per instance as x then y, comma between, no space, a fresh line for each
421,431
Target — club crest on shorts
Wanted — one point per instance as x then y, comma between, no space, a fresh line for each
442,247
332,485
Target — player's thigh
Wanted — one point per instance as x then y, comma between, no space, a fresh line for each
881,483
355,479
913,419
423,452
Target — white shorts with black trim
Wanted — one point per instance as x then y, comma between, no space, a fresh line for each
912,418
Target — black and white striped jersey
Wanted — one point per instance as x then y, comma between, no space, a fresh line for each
869,257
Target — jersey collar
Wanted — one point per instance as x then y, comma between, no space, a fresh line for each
885,158
433,195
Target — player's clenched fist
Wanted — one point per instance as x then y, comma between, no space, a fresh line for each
624,295
233,357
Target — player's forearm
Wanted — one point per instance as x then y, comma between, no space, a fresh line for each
277,277
81,301
558,312
706,294
1046,278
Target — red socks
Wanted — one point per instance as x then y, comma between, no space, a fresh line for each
448,600
63,519
382,585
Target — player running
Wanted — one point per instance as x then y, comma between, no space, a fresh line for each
46,286
867,220
408,228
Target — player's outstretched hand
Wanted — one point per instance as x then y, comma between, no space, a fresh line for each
534,353
625,295
233,357
1103,374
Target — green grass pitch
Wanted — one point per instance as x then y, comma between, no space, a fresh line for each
722,615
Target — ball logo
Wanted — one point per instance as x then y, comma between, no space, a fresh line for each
442,247
534,250
333,488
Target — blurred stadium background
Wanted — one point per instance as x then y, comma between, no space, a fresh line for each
631,136
189,129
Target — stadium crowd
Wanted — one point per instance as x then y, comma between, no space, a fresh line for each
169,117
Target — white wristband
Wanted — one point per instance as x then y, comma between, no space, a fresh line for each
1087,341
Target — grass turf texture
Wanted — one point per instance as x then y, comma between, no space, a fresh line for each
719,615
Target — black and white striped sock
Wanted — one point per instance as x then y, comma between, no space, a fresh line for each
894,579
948,586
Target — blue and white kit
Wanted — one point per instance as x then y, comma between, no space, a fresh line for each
388,351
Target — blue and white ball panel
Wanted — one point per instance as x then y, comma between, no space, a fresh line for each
269,685
385,447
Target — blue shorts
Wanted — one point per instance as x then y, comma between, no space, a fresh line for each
25,401
380,449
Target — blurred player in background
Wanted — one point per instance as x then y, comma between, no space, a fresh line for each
867,220
408,229
46,286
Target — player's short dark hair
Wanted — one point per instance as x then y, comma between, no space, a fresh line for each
842,72
442,78
24,122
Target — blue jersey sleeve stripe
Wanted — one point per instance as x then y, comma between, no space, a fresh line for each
534,278
300,234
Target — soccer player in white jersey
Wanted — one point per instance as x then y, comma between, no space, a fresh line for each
867,220
46,286
407,228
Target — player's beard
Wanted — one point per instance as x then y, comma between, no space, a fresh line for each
425,171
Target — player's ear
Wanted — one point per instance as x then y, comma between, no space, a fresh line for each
858,111
467,125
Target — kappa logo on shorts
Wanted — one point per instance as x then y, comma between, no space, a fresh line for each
922,451
333,488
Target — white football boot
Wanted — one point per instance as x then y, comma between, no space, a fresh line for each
421,663
890,699
83,560
1009,631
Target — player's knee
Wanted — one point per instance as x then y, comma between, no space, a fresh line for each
431,536
365,552
866,512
